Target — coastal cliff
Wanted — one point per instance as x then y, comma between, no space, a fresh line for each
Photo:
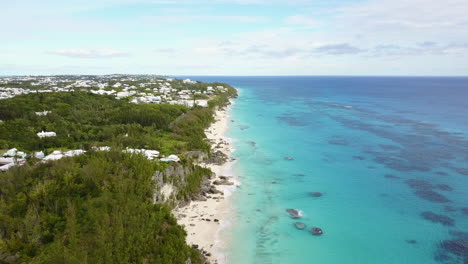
178,184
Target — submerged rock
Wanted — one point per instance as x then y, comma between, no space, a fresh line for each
458,246
300,225
464,210
425,190
443,187
359,158
391,176
252,143
316,231
438,218
463,171
338,142
315,194
294,213
432,196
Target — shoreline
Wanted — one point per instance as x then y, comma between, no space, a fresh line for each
204,220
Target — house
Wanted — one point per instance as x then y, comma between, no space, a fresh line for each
39,155
10,153
151,154
4,161
156,99
187,103
44,113
43,134
184,96
55,155
189,81
73,153
148,153
102,92
7,163
202,103
105,148
123,94
7,166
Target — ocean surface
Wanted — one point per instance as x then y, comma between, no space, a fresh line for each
388,155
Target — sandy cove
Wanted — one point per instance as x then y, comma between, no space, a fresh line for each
204,220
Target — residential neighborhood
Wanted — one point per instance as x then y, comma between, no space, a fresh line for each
137,89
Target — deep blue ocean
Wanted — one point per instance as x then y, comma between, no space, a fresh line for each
389,156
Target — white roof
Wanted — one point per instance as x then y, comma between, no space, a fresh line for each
73,153
6,167
148,153
56,155
10,153
7,160
46,134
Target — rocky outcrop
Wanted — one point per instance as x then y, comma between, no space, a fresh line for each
223,180
179,184
217,158
196,156
170,181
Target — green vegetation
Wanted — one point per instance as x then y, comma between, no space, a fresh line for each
82,120
95,208
98,207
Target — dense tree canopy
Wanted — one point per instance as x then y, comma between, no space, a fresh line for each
98,207
95,208
84,119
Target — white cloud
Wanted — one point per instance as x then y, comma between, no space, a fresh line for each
405,18
208,18
90,53
338,49
301,20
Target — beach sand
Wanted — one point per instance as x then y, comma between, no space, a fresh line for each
207,233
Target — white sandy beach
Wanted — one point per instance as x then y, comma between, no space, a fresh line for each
200,231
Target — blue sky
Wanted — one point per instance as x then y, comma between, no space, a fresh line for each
235,37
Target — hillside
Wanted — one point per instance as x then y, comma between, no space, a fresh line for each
100,207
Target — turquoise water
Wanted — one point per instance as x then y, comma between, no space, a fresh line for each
389,155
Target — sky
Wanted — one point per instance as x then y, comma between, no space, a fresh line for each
234,37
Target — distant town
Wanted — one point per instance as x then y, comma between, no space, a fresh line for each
137,89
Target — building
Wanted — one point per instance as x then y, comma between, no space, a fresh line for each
55,155
44,113
43,134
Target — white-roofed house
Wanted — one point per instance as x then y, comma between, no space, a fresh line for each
44,134
55,155
73,153
202,103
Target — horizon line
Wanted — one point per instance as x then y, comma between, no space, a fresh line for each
220,75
